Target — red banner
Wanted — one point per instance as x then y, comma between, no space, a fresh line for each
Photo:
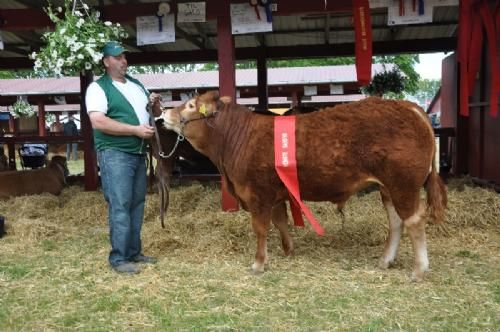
363,35
474,16
285,163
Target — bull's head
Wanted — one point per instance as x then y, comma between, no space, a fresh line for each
197,108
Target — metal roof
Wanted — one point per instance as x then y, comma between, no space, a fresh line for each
194,80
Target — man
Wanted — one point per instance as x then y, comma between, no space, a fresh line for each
116,104
70,129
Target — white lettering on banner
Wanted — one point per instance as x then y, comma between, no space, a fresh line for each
284,158
284,140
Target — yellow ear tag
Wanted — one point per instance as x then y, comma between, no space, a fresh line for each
203,109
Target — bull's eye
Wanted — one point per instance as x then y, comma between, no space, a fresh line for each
191,105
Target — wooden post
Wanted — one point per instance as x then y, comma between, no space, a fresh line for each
296,98
227,79
262,91
41,119
89,155
12,124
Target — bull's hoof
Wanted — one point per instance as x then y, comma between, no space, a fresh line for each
417,276
384,265
257,269
288,252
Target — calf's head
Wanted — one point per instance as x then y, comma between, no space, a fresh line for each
197,108
59,163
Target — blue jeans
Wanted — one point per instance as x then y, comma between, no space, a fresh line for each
123,177
74,147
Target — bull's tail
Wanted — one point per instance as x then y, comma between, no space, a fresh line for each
436,195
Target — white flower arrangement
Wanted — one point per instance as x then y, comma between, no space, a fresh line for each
22,109
76,42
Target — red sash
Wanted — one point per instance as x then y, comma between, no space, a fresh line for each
474,14
363,34
285,163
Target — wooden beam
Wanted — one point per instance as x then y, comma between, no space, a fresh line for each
279,52
16,19
190,38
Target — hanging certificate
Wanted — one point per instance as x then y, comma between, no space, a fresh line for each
191,12
248,19
155,30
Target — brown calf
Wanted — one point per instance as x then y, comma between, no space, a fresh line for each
50,179
340,150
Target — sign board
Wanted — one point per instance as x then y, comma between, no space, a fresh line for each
310,90
244,19
410,16
191,12
155,30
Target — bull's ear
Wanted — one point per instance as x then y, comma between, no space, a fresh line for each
209,97
226,99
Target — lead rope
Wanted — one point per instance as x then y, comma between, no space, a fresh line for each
180,137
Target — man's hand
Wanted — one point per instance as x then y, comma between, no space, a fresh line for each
154,100
145,131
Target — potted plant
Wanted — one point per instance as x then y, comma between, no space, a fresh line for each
389,83
77,40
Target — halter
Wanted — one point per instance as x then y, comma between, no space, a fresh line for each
180,135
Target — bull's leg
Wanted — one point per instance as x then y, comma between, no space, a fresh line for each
395,230
411,210
416,230
260,224
280,220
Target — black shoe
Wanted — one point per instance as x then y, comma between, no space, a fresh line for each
144,259
128,268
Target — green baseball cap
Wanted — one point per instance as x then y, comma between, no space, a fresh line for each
113,48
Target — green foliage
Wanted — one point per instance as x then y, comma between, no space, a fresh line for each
311,62
76,42
426,91
406,63
11,74
22,109
159,69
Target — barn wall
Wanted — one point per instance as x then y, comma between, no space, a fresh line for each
476,149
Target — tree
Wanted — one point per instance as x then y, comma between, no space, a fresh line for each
426,91
159,69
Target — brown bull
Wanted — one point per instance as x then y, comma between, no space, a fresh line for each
340,150
50,179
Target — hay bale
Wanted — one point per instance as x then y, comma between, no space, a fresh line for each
195,221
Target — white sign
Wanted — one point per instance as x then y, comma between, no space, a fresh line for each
408,16
244,19
336,89
191,12
155,30
310,90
